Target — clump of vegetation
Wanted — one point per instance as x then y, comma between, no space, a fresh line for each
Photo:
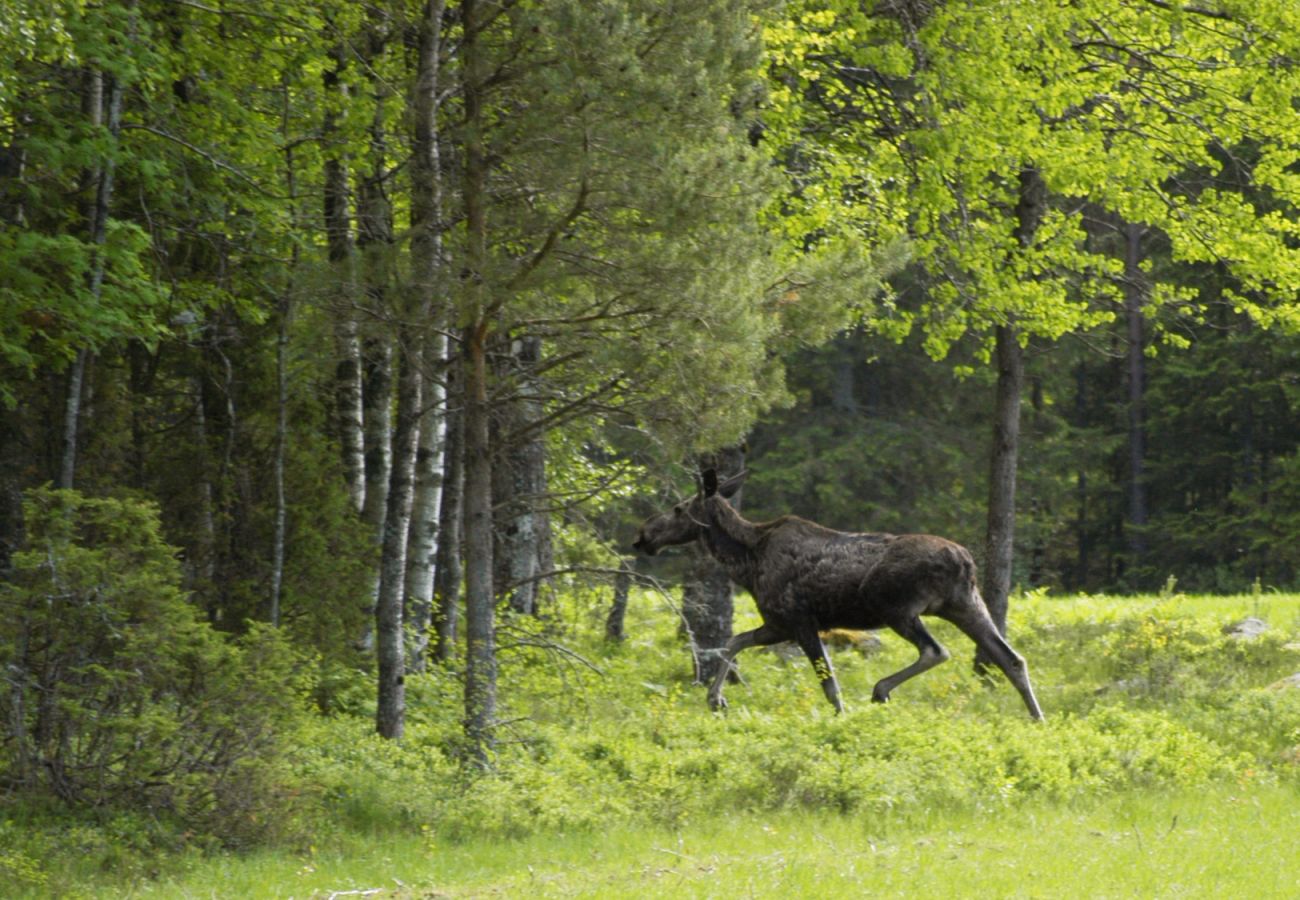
118,696
1141,694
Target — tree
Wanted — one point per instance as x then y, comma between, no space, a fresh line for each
632,260
980,136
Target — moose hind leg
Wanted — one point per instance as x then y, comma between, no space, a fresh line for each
758,637
932,654
993,646
811,643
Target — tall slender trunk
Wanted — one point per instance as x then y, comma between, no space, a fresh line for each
999,548
204,558
614,622
708,599
480,669
281,448
391,652
422,542
427,272
519,482
102,104
375,241
1083,543
999,544
480,626
284,309
1134,300
447,572
341,252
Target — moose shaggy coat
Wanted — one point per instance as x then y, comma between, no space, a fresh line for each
806,578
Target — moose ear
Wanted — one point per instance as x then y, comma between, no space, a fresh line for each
729,487
709,484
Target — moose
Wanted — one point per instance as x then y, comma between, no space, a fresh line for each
806,578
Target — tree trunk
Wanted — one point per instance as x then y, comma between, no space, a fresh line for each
999,548
391,650
422,542
426,270
1134,300
281,449
377,391
480,627
614,630
480,668
341,252
203,561
522,529
375,242
1083,542
103,109
447,573
707,598
285,312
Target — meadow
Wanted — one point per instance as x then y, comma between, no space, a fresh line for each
1169,766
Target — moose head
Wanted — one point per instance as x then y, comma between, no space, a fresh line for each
686,520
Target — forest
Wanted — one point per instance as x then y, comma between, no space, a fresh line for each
344,346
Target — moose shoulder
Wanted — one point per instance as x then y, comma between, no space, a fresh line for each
806,578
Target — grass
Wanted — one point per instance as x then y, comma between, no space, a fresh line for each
1209,843
1167,768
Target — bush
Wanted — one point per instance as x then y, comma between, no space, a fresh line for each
117,694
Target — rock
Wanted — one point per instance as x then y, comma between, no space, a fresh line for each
1247,629
1289,683
864,642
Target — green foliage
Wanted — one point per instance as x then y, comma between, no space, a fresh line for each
1142,695
118,695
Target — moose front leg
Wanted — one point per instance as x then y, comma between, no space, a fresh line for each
810,641
761,636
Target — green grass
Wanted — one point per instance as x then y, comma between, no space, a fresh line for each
1167,768
1214,843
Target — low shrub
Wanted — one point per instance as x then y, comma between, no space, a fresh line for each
118,696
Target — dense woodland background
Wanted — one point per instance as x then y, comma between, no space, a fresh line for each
395,318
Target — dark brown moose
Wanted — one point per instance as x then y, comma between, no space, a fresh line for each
806,578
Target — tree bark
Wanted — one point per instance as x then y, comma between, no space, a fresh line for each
447,572
999,548
614,622
480,669
1083,543
426,268
281,449
391,650
708,599
522,529
341,252
103,108
377,393
203,561
480,626
1134,300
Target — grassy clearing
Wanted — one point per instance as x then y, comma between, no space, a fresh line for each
1168,767
1210,843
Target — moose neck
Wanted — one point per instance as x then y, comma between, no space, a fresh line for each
731,540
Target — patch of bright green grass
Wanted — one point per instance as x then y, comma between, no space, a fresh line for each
1222,842
1167,768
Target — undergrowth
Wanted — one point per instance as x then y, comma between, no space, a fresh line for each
1139,694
